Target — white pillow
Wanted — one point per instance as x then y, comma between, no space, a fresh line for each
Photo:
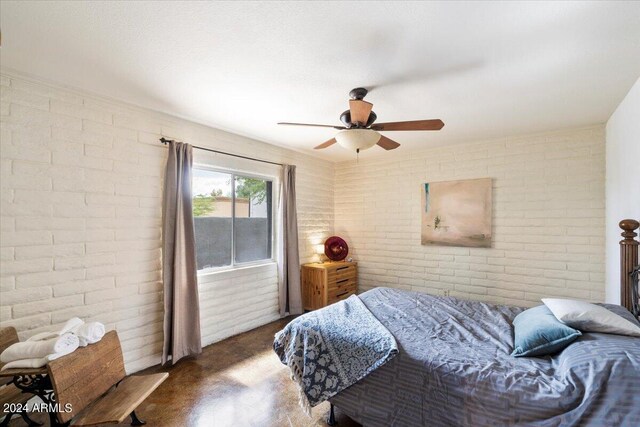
590,317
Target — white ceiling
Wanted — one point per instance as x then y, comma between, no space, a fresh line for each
487,69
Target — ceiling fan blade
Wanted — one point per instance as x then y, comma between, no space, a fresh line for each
360,110
387,143
326,144
435,124
311,124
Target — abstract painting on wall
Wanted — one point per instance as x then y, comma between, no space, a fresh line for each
457,213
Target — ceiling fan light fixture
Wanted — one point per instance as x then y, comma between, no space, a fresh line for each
357,139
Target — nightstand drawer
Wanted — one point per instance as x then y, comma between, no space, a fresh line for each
341,273
335,293
342,282
341,296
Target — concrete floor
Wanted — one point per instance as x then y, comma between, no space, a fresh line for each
236,382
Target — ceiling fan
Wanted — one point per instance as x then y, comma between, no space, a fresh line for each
360,132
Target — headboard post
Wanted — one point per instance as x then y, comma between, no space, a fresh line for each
628,260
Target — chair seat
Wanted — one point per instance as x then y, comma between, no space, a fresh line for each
11,394
119,402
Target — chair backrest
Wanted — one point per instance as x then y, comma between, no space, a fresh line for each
8,336
86,374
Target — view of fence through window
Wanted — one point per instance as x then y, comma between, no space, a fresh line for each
232,218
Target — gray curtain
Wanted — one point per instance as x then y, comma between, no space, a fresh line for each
288,258
179,273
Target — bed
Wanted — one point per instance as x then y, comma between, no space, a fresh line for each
453,366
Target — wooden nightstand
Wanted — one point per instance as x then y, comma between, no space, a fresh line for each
328,282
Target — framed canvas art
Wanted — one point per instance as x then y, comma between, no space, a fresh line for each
457,213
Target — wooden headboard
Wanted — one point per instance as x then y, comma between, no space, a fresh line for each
628,265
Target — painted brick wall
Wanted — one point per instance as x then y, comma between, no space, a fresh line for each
81,180
548,219
80,194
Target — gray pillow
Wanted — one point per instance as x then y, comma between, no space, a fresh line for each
589,317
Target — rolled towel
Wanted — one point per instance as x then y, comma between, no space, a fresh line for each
64,352
72,323
38,349
89,333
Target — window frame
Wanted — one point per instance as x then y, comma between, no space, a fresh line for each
239,265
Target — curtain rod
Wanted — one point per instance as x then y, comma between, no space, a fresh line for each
166,141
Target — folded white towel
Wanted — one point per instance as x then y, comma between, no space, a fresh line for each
63,344
47,335
36,362
71,324
26,363
89,333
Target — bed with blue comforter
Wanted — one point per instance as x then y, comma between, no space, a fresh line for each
453,368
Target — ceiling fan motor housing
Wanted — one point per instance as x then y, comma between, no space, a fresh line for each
372,118
345,118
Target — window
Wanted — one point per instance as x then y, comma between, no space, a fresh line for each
233,218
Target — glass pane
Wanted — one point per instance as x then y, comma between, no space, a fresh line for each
212,216
252,223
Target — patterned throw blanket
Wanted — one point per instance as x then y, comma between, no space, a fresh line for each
332,348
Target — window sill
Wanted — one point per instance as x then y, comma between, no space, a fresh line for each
211,273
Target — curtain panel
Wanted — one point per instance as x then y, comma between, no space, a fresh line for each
179,272
289,292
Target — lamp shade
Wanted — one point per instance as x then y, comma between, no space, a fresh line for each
357,139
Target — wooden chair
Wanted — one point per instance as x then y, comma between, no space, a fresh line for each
10,395
91,386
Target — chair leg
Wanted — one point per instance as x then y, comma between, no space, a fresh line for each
53,421
28,420
6,420
135,421
331,421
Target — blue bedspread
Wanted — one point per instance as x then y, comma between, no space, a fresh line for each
332,348
454,368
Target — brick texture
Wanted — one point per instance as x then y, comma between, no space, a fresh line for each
81,188
548,219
